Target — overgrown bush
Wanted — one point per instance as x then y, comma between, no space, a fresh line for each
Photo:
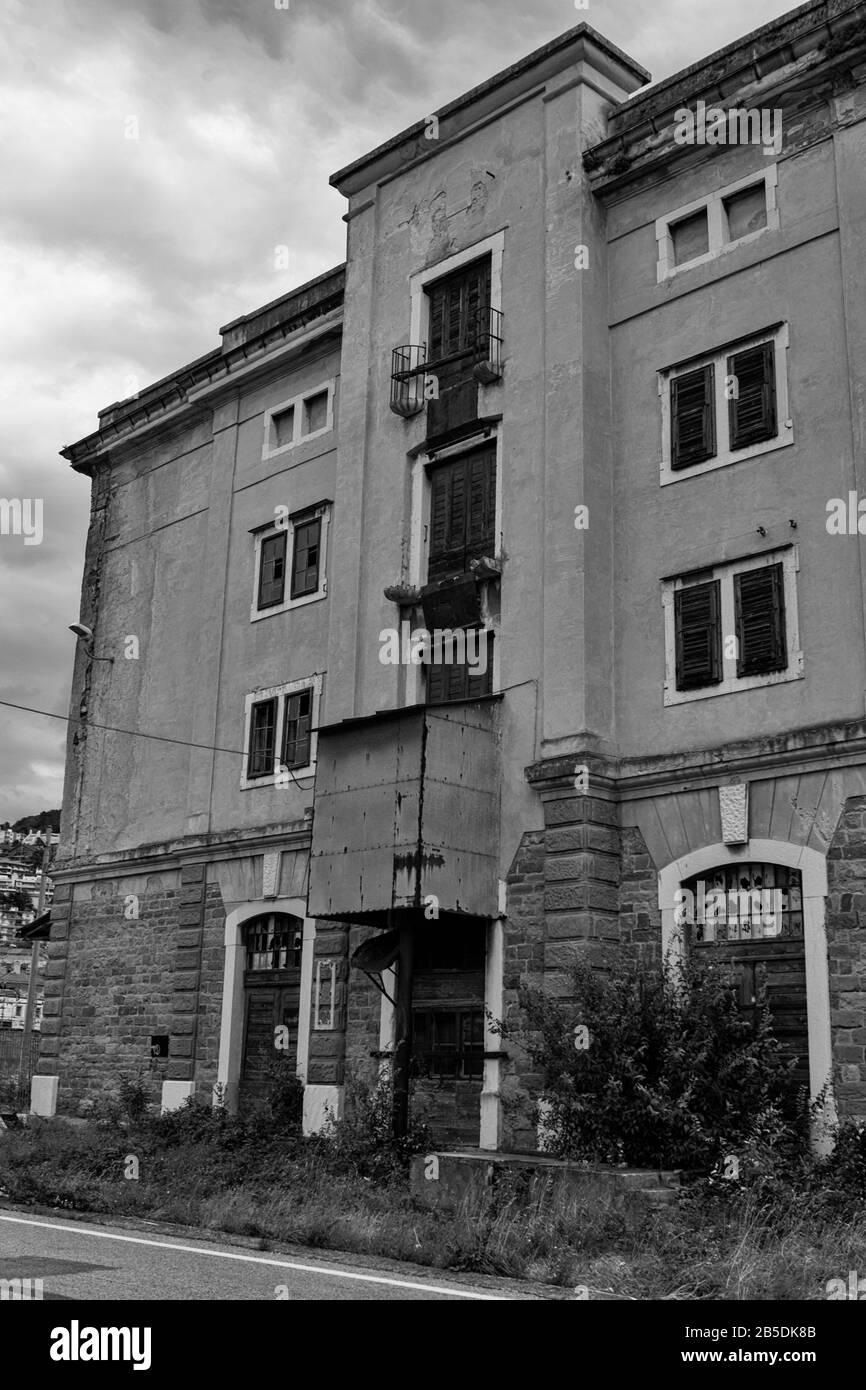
362,1143
674,1074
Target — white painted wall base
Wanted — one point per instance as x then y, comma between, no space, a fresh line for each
43,1096
175,1094
321,1104
491,1119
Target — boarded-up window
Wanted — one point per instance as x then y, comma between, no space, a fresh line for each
698,636
760,616
693,423
690,237
283,428
272,570
315,412
459,680
746,211
752,408
448,1043
262,748
305,560
462,512
297,729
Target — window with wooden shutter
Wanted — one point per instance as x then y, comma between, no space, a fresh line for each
297,729
759,606
305,558
462,512
752,414
262,748
272,570
698,636
452,680
455,302
693,419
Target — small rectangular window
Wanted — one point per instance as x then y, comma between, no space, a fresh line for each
305,560
272,571
315,412
752,406
297,729
698,635
462,513
693,423
690,237
283,428
759,607
262,749
746,211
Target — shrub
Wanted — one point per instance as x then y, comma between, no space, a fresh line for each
674,1074
362,1143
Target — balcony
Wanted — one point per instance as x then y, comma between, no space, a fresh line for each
449,383
407,807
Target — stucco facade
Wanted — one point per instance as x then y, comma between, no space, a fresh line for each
564,806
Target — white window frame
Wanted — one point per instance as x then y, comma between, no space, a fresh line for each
725,455
297,404
256,697
718,234
731,682
327,1023
322,510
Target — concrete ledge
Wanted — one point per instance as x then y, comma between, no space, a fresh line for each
443,1180
321,1104
43,1096
175,1094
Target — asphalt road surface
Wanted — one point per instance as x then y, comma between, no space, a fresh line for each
80,1261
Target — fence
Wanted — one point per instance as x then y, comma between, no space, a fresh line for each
11,1042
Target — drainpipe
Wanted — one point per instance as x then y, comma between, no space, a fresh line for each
30,1006
403,1027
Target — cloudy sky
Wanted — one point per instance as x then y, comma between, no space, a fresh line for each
120,257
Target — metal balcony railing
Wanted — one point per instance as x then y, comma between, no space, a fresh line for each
408,366
487,365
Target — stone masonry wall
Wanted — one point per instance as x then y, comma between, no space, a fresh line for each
639,913
846,949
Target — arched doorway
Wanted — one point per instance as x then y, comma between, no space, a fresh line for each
812,869
272,946
749,917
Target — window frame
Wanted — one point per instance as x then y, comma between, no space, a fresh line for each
321,511
717,229
281,693
297,404
724,456
731,683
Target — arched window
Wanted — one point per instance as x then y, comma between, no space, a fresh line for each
274,942
742,903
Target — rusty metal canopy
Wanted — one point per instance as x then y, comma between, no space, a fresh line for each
407,809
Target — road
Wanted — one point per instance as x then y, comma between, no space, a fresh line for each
82,1261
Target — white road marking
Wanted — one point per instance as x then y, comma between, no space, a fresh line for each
260,1260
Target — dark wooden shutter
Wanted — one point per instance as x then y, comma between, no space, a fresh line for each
693,417
305,560
297,729
262,749
454,310
698,645
759,605
272,571
449,680
752,415
462,512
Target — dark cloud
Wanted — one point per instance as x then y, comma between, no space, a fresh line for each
120,258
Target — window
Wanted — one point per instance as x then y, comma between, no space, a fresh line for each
272,570
729,405
462,512
305,564
295,421
455,305
297,545
691,237
468,674
297,729
733,627
751,902
281,721
705,229
274,942
448,1043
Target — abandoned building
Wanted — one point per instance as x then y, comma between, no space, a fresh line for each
587,385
